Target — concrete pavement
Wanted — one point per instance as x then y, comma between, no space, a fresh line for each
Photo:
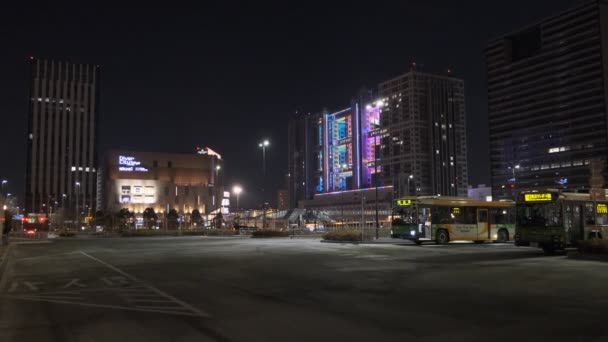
197,289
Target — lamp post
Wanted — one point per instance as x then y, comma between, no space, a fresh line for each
77,210
4,181
263,145
237,191
514,179
408,183
217,196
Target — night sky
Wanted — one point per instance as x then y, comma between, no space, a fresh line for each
227,76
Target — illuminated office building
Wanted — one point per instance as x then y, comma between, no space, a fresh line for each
547,102
61,165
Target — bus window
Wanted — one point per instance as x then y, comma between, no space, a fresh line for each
589,214
539,214
470,215
405,215
456,215
602,214
441,215
501,216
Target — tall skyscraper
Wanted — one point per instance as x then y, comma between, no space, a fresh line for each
62,136
299,185
547,101
423,149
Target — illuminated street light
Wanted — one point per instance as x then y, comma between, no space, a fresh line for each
77,211
263,145
408,183
237,191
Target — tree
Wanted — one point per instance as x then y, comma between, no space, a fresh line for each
172,219
150,217
124,217
101,219
196,217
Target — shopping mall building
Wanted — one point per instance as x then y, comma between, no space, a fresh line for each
162,181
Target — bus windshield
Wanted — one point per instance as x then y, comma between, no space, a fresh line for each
539,214
405,215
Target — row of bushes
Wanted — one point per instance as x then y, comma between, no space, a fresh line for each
343,235
266,233
593,246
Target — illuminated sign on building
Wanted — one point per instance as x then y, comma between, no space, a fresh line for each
208,152
538,197
602,208
130,164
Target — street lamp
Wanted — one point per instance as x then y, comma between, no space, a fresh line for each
408,183
4,181
263,145
237,191
77,210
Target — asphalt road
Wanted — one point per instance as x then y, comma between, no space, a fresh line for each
206,289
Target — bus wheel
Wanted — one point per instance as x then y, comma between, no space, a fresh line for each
442,237
479,242
503,236
418,242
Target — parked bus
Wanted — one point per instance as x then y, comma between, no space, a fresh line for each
554,220
445,219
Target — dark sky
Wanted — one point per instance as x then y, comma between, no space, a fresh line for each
228,75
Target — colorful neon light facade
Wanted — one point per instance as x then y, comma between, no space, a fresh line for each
345,153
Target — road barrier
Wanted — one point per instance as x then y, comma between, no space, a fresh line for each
29,236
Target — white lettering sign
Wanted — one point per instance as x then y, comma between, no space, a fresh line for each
130,164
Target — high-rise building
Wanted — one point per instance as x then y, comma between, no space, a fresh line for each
299,184
547,101
423,134
62,136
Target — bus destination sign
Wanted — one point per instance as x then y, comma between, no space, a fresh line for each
602,208
404,202
538,197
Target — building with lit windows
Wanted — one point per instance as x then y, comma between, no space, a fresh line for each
61,164
547,101
162,181
423,131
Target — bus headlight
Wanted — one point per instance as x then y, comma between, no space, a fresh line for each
413,233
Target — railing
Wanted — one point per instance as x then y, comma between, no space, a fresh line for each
29,236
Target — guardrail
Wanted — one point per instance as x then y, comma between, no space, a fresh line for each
29,236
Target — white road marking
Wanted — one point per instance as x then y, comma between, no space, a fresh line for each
195,311
115,280
74,282
188,313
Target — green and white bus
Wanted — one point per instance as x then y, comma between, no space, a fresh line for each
444,219
554,220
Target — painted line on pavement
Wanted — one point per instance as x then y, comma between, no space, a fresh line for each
194,311
190,313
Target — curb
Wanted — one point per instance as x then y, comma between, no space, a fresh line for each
587,257
343,242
